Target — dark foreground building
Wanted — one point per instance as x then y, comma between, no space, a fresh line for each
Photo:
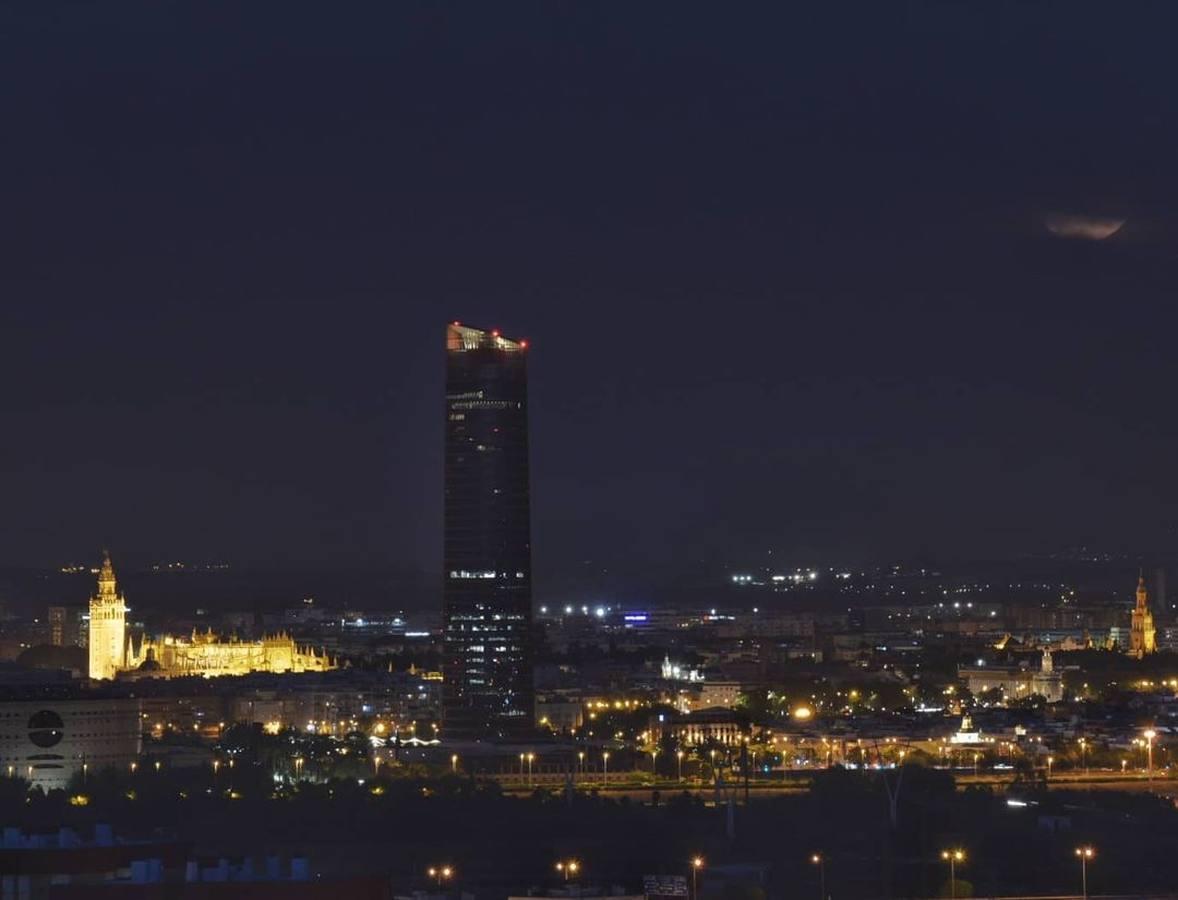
487,561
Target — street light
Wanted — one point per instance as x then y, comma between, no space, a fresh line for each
953,857
1050,760
1084,755
820,861
441,873
1150,734
605,769
531,756
654,772
454,764
568,868
581,762
697,863
1084,854
679,759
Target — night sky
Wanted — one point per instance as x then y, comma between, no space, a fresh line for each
824,282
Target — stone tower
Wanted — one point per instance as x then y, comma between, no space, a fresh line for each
108,625
1142,635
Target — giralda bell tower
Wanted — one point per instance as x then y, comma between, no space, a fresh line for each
487,592
108,624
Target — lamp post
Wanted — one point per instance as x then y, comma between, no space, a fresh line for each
820,861
580,762
654,772
679,760
568,868
531,756
1084,854
953,857
1050,760
440,874
697,863
605,769
454,764
1150,734
1084,755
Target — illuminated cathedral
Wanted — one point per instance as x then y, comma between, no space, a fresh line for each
1142,634
115,653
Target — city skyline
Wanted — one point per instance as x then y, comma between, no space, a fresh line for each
601,451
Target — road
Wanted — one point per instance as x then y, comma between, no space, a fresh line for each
1094,781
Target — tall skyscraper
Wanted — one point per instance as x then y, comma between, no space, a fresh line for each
487,590
108,625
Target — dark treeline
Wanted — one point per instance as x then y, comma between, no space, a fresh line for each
881,833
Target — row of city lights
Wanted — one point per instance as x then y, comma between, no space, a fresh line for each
1085,853
567,868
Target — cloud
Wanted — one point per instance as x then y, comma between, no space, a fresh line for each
1088,228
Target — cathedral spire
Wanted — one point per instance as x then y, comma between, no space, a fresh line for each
107,586
1142,634
107,635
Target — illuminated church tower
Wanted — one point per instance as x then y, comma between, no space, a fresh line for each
108,625
1142,635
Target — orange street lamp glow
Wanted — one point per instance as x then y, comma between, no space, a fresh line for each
953,857
1084,854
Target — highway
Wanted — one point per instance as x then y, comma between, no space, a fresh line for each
629,785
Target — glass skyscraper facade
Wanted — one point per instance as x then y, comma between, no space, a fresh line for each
487,594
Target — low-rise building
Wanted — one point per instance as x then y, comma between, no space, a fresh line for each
49,741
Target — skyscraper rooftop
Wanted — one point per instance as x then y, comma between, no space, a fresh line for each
461,338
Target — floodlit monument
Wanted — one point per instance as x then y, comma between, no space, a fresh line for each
113,652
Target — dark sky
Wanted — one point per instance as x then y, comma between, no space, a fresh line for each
785,270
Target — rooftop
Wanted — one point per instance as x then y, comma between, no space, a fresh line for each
460,338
